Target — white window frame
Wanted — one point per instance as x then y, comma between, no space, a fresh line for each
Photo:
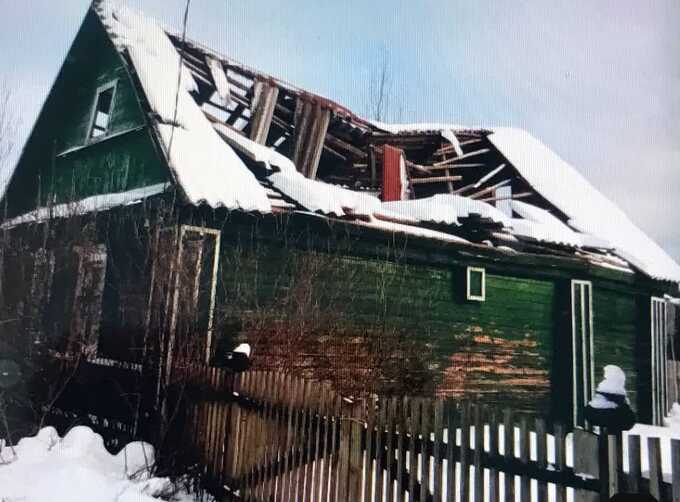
588,371
659,348
93,113
469,294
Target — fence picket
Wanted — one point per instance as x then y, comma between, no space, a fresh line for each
494,495
541,456
356,459
412,450
525,495
655,473
477,456
426,410
675,468
509,453
464,480
560,461
391,447
401,447
379,454
450,457
634,467
370,435
437,450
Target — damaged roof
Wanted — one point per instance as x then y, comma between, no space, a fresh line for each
237,138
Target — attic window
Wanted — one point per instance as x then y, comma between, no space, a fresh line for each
476,284
103,105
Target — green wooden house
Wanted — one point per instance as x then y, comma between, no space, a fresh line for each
171,202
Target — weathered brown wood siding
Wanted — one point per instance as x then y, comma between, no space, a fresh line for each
59,162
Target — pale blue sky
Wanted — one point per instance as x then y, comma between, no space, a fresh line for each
598,81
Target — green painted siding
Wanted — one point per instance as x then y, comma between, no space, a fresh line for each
380,325
616,326
60,163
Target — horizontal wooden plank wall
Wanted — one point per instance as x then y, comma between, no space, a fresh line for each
283,438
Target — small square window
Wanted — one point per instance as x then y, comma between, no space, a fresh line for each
103,107
476,284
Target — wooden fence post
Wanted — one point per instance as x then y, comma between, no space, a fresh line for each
675,468
603,463
655,474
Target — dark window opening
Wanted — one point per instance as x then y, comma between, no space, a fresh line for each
102,112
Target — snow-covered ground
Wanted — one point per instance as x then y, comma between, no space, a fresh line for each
78,468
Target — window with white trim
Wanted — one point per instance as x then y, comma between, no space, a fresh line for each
476,284
659,317
583,370
101,112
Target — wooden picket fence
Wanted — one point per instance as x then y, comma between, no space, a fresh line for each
275,437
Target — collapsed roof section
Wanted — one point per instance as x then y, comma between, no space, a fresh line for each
298,151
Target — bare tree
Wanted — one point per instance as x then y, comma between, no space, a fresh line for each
380,87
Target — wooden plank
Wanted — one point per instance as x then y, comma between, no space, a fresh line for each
290,437
305,117
541,455
655,473
516,196
425,421
322,402
454,160
356,460
478,479
390,446
509,453
479,194
300,443
333,466
560,460
312,404
401,448
449,168
219,77
379,467
434,179
371,428
525,495
464,480
413,429
450,450
263,111
491,174
494,487
344,459
437,450
316,140
675,469
613,454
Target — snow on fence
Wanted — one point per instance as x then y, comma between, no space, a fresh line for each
275,437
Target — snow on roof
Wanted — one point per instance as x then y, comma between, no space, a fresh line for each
91,204
445,209
206,167
320,197
541,225
589,211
